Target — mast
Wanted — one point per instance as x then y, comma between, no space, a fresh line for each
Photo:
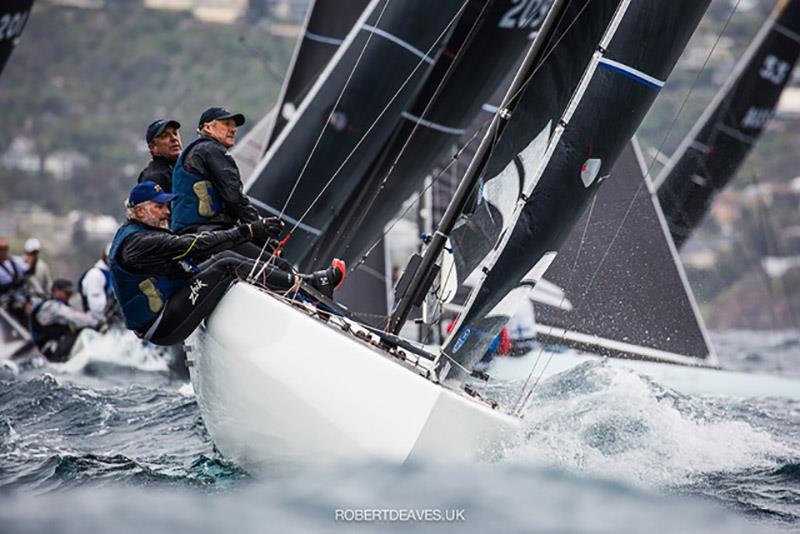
717,145
490,39
640,44
419,280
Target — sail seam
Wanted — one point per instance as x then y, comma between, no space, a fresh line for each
396,40
786,32
632,73
433,125
323,39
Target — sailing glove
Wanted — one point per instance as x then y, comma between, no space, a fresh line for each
264,229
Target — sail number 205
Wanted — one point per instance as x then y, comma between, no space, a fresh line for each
525,14
11,25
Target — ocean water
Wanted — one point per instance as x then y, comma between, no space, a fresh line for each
122,448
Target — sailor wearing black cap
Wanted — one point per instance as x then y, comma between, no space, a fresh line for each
206,178
55,325
167,283
164,142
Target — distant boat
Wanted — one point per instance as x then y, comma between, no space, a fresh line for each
711,154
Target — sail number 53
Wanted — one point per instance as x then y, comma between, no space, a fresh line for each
774,69
11,25
525,14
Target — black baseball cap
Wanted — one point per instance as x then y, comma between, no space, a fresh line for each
213,114
64,285
157,127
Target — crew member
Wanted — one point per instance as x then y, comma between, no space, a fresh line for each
39,279
206,178
13,274
167,283
96,293
164,143
55,325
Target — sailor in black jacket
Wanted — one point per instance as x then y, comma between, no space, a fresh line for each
167,283
164,143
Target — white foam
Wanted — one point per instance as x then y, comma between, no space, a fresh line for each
612,422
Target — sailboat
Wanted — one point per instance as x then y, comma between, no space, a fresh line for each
323,387
708,158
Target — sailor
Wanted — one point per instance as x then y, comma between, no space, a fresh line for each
55,325
39,279
206,178
13,275
167,283
164,143
96,292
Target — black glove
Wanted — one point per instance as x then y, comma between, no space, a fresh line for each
264,229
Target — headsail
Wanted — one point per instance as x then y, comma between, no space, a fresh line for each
620,73
349,114
606,268
489,39
13,18
719,142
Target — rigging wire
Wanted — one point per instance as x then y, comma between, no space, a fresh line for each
641,185
413,72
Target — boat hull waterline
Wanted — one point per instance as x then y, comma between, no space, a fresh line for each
280,389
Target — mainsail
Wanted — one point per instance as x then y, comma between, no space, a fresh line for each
349,114
620,52
709,157
606,268
13,17
327,24
490,38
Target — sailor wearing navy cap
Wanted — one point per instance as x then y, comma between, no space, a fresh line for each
164,143
207,180
167,283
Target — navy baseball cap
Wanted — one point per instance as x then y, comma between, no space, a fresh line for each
145,191
157,127
64,285
213,114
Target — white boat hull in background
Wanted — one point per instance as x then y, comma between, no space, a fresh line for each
684,379
279,389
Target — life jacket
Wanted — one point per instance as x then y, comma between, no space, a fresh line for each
109,291
17,277
141,296
42,334
197,201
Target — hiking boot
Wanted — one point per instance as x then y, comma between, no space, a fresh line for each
329,279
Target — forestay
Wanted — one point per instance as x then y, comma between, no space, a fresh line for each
622,52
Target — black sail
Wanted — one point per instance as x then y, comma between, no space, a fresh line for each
13,18
327,25
606,266
349,114
621,73
489,39
709,157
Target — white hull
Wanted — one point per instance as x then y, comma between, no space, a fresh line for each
279,389
684,379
